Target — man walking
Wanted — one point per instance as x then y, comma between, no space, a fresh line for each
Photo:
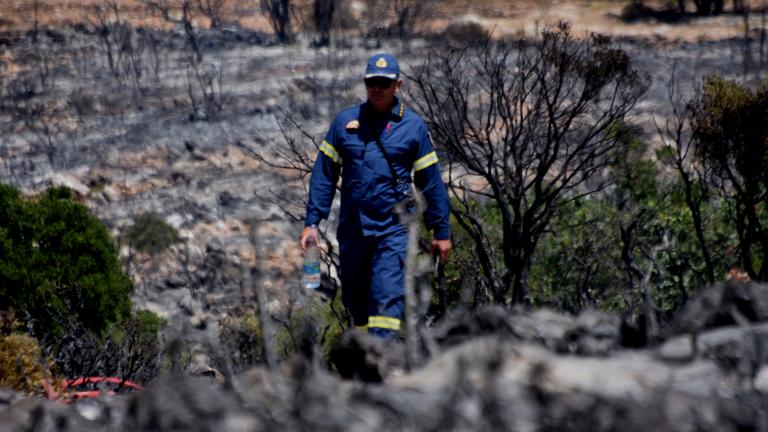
374,147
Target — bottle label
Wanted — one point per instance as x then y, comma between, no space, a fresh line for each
311,275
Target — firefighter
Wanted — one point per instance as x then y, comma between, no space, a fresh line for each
375,146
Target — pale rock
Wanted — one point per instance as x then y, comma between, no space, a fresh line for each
175,281
189,306
90,409
70,181
157,309
677,349
274,306
175,220
185,234
760,382
241,422
199,320
111,194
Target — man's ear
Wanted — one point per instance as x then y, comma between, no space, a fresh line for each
398,84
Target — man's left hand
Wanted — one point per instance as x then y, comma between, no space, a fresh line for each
443,247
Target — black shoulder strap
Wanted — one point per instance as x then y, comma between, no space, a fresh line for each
396,180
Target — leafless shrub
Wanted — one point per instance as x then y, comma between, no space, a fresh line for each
205,91
43,121
40,64
35,20
373,23
398,18
279,14
214,10
679,153
44,72
82,58
181,13
24,85
524,128
133,56
763,31
82,103
130,354
323,20
408,14
113,33
142,60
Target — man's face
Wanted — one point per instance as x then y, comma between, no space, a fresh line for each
381,92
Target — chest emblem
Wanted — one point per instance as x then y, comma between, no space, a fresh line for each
352,125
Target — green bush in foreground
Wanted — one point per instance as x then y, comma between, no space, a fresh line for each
58,264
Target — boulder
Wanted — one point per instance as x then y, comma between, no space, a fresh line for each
725,304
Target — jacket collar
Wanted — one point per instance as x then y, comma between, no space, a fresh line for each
396,114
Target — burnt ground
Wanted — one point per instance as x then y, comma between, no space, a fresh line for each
161,132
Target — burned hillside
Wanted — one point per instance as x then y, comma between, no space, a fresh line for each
187,128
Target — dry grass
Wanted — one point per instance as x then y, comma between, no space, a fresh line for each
20,14
505,17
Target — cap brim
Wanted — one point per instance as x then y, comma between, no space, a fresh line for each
382,75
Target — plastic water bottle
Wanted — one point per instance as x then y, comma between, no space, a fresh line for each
311,278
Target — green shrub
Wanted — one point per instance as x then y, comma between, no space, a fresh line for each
243,340
311,322
151,234
58,264
464,275
148,325
308,324
22,364
731,145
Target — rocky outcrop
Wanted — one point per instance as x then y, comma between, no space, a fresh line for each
497,369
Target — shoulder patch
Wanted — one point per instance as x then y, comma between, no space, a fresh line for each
354,124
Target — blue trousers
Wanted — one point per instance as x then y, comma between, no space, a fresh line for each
373,281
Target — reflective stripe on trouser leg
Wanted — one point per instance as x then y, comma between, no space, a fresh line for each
384,322
386,297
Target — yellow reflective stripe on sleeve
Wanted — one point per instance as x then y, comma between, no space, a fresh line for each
331,152
428,160
384,322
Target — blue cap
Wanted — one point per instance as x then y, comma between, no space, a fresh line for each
382,65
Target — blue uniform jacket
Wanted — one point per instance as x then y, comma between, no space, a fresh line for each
367,193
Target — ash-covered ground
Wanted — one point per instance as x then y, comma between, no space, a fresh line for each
187,140
195,141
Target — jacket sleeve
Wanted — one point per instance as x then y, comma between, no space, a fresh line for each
428,179
322,183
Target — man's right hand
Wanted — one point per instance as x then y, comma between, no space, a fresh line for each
306,234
